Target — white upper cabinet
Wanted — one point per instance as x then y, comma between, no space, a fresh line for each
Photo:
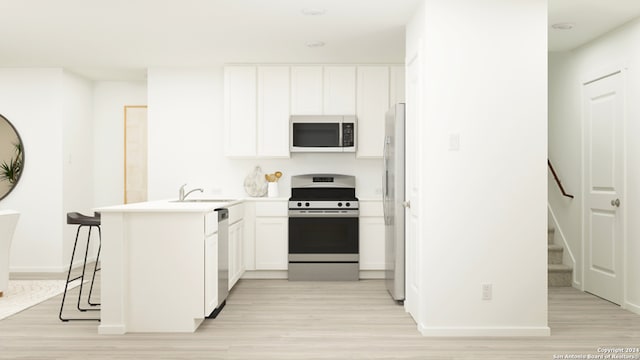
396,85
306,90
240,111
372,105
339,90
258,101
273,111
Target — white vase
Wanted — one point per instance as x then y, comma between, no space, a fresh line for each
272,189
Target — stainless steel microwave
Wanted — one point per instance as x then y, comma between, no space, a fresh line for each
322,133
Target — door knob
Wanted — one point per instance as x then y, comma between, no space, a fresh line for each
615,202
406,204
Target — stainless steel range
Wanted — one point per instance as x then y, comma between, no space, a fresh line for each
323,228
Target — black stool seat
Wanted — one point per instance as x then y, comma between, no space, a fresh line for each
75,218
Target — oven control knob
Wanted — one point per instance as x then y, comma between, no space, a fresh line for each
339,204
306,204
348,204
299,204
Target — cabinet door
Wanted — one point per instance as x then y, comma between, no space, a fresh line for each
272,244
233,248
372,243
396,85
339,90
273,111
306,90
210,273
236,254
372,105
240,111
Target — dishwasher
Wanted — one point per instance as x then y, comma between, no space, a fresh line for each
223,260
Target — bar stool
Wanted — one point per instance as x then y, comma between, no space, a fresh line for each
75,218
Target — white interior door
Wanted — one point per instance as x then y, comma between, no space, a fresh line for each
604,184
412,166
135,174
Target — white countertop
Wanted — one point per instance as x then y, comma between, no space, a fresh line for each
190,205
168,206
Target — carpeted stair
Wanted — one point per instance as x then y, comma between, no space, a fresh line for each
558,273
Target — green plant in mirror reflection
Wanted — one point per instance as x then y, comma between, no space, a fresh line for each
10,171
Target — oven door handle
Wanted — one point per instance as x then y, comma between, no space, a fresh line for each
323,214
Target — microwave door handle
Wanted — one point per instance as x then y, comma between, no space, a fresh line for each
340,141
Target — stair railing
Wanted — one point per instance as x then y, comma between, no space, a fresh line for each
555,176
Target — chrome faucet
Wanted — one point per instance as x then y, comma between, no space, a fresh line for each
182,195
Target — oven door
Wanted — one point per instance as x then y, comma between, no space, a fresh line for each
323,235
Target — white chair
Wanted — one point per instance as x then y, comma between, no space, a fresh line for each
8,221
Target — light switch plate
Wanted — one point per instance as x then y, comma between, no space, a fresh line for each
454,142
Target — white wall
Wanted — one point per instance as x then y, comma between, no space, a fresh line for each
570,70
483,207
77,154
52,111
186,142
109,99
31,99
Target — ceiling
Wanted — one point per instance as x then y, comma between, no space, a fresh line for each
119,39
592,18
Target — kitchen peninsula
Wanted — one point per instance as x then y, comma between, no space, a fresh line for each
159,265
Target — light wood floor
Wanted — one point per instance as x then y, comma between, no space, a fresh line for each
277,319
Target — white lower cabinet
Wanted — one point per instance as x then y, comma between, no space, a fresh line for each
210,273
372,246
371,243
271,235
236,252
271,243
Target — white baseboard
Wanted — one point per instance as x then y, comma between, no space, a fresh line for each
51,269
265,274
470,331
111,329
284,274
632,307
371,274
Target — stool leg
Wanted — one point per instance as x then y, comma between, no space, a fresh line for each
95,268
81,277
64,295
84,266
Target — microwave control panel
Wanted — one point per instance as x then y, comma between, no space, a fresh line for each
347,135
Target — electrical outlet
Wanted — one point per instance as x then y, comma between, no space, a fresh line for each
487,291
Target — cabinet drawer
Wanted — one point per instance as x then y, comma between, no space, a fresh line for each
210,223
236,213
272,208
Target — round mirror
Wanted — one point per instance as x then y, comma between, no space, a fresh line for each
11,157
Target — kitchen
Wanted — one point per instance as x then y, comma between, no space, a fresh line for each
187,136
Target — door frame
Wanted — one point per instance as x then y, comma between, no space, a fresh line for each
124,160
592,76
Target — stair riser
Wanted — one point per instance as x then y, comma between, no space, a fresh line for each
559,279
554,257
550,236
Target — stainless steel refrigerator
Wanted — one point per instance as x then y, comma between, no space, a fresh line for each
393,199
